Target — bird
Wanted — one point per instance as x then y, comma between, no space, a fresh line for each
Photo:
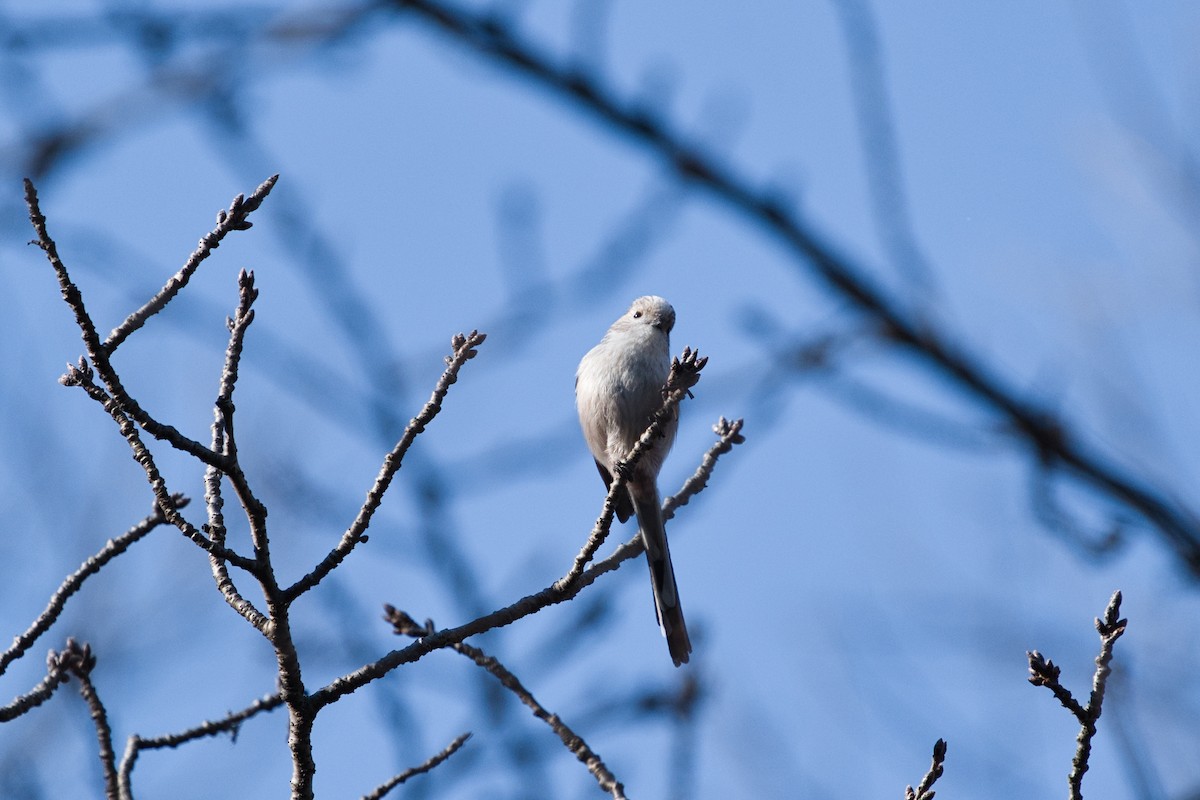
618,388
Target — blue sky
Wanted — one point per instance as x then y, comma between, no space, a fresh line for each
859,589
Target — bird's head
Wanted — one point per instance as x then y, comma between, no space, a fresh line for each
653,311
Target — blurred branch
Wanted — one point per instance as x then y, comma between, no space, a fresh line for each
684,704
58,601
404,625
1056,440
880,151
1096,543
434,761
171,84
1043,672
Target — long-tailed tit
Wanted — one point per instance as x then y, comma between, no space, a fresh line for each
618,387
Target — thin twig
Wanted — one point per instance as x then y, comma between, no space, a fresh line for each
223,442
58,600
230,723
728,434
464,350
232,220
404,625
1043,672
34,697
924,790
432,762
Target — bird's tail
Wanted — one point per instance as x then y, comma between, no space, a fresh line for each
662,574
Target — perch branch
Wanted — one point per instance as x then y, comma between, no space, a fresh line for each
684,374
530,604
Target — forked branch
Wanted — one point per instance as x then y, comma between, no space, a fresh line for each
1043,672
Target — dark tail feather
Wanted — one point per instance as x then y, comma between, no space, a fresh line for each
662,574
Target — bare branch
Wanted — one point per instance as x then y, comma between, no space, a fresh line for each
231,724
430,764
223,442
234,219
728,434
54,608
1045,673
924,790
464,351
78,661
81,375
404,625
34,697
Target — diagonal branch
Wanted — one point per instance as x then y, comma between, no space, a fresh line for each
34,697
464,351
82,376
684,374
404,625
728,434
95,348
234,219
58,601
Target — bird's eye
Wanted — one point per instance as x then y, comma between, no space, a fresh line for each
637,315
